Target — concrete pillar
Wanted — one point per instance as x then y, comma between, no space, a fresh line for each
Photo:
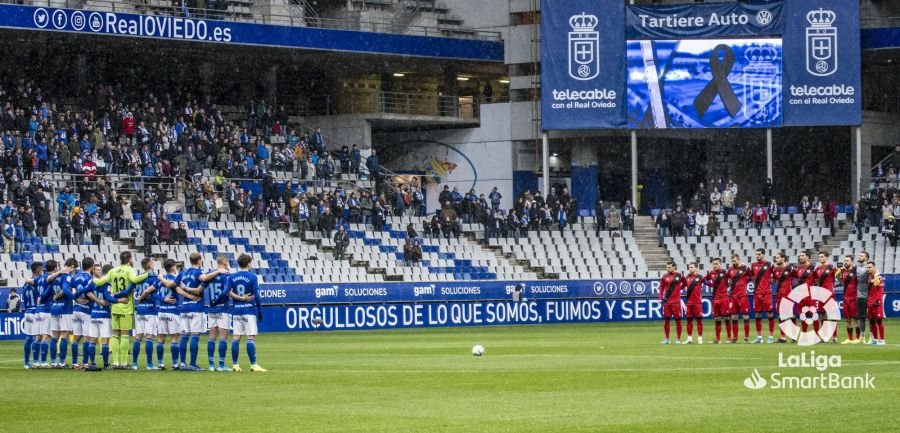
270,84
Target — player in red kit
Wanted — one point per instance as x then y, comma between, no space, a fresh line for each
875,307
846,276
782,274
761,271
824,276
721,303
803,272
693,284
670,298
738,278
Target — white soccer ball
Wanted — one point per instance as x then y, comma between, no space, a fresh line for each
478,350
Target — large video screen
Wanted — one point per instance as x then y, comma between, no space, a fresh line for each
709,83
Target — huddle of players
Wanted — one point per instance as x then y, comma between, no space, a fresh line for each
863,293
100,306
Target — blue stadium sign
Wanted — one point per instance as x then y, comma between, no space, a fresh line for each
225,32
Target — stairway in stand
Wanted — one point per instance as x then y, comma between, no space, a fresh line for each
647,238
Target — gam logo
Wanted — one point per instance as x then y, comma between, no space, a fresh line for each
326,291
423,290
584,47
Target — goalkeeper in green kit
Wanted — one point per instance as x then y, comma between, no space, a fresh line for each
119,279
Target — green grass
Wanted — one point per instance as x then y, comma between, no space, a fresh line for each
546,378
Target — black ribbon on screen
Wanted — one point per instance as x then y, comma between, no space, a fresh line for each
719,85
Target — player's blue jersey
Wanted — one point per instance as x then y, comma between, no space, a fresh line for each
190,278
98,311
29,298
44,295
79,284
164,292
241,284
147,307
63,305
213,294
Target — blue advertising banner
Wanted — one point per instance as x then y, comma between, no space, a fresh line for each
746,18
582,64
336,317
822,64
226,32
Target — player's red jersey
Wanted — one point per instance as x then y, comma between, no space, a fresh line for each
804,275
824,276
847,278
738,278
693,283
719,282
876,290
762,277
783,276
670,288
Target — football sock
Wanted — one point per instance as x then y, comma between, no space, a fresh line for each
690,327
699,326
54,342
223,350
195,347
63,350
678,328
666,327
251,351
182,348
175,348
135,351
114,342
235,350
148,346
211,350
27,348
104,352
758,326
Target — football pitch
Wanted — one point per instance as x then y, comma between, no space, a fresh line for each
544,378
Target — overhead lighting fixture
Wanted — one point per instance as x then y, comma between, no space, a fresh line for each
462,78
399,74
503,81
555,155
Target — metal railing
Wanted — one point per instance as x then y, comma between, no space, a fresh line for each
414,104
245,13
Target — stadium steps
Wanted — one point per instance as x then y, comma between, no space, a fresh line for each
647,238
832,243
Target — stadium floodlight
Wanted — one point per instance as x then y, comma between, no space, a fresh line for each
399,74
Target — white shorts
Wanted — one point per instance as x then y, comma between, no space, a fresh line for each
218,320
244,324
146,324
169,324
100,328
193,323
28,327
41,324
62,323
80,323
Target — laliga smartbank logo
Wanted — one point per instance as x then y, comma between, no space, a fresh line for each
822,377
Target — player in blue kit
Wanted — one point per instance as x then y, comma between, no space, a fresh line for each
218,312
61,310
41,314
29,300
193,323
145,319
243,288
168,316
100,328
81,315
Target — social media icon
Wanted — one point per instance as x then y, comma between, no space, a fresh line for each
95,22
60,19
78,20
41,18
